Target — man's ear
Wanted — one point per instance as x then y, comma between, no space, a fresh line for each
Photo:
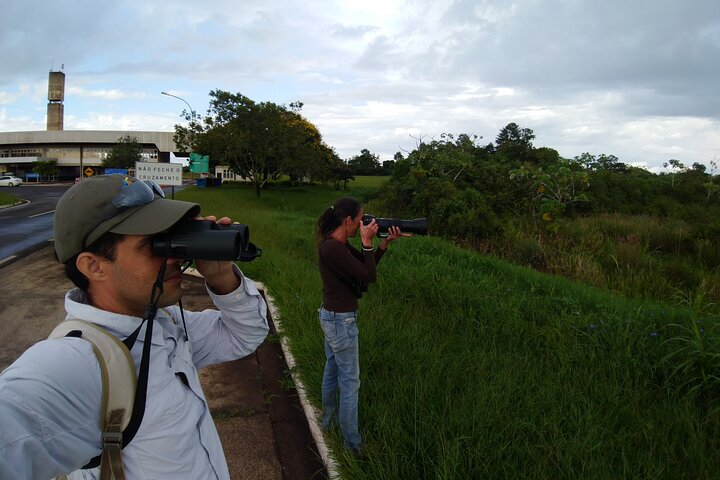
92,266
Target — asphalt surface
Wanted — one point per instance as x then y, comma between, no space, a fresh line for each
264,431
30,223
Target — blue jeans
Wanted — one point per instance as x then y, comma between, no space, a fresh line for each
342,371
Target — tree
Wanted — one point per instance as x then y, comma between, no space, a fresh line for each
301,150
711,187
45,168
341,172
124,154
515,142
587,160
555,186
677,167
698,167
513,134
602,162
543,156
235,133
365,164
387,167
259,141
448,157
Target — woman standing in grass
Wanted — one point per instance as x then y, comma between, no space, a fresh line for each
345,273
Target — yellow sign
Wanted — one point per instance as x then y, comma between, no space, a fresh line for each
89,172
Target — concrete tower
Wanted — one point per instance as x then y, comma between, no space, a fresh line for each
56,96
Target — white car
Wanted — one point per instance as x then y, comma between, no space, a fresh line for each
10,181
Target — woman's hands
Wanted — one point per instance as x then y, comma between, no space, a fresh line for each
393,234
368,232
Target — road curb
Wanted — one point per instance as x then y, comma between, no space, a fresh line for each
311,413
16,204
4,262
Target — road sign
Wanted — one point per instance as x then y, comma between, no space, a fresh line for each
89,172
199,163
162,173
196,157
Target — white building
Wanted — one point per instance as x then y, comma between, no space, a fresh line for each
76,153
224,173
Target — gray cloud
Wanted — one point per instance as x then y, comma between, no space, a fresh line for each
636,79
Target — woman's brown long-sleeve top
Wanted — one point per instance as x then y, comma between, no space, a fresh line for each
340,265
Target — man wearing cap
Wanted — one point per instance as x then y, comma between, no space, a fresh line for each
50,397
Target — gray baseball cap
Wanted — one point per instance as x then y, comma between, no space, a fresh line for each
113,203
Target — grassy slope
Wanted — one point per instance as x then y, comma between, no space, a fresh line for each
475,368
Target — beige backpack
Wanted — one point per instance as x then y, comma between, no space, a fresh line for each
119,383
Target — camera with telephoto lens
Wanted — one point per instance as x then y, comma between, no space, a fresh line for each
417,226
206,240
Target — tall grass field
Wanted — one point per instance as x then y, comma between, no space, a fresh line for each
475,368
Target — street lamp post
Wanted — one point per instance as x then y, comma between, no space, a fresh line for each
192,111
192,119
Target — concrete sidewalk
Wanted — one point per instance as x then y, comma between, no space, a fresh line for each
256,408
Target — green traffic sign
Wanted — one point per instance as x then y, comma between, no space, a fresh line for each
196,158
199,163
199,168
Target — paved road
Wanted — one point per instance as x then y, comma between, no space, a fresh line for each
30,224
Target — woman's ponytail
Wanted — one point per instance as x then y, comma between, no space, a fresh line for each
334,215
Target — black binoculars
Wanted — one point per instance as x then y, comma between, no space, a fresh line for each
206,240
418,226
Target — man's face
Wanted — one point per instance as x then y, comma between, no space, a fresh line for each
132,275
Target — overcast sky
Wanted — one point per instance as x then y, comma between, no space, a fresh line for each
639,79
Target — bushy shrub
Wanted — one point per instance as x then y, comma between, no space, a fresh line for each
707,252
465,216
680,273
631,253
592,218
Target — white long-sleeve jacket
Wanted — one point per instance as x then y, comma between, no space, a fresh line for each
50,397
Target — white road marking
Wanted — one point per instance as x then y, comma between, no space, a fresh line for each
39,214
6,259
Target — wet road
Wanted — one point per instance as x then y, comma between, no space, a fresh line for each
30,224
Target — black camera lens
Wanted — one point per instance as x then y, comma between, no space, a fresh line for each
418,226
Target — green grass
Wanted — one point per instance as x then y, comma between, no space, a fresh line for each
7,199
475,368
636,256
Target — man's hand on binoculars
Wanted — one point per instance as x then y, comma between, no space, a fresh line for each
219,275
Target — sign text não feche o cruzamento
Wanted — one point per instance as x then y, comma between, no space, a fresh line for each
162,173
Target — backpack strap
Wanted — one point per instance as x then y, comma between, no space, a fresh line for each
119,385
111,465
